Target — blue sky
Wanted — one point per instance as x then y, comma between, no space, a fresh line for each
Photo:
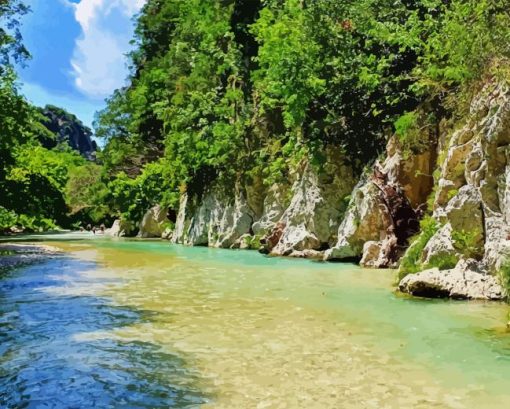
78,49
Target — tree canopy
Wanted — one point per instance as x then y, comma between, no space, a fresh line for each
231,89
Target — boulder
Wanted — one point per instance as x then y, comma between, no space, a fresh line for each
381,254
167,233
371,254
367,219
119,229
154,222
466,281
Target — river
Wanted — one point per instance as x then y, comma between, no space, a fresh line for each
143,324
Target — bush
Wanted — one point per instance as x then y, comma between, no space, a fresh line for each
504,274
468,243
35,224
411,262
7,219
443,261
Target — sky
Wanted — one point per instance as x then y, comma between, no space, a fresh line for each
78,52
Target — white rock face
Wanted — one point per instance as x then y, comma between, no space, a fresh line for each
118,229
204,220
472,202
153,222
273,209
439,246
465,281
182,221
308,221
214,222
382,207
312,218
235,222
367,219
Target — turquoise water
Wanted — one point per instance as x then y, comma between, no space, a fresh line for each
118,323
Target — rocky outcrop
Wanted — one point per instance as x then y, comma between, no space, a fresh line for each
215,220
471,204
274,205
301,220
310,222
154,222
367,219
385,208
69,130
466,281
119,229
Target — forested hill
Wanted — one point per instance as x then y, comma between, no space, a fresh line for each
222,90
39,147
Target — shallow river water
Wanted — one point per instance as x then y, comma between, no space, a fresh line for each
143,324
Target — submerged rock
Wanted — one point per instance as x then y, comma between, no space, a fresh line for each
466,281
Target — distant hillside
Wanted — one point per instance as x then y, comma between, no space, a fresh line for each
68,129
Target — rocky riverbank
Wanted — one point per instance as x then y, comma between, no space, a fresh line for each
458,181
16,255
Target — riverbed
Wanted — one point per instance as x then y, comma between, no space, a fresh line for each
144,324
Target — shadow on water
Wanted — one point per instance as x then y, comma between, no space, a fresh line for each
43,364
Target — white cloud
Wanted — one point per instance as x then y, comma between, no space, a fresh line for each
99,63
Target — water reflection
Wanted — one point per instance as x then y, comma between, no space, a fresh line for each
43,363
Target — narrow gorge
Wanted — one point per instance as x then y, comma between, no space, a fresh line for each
459,178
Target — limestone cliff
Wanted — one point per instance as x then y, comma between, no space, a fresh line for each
462,172
385,208
301,220
472,201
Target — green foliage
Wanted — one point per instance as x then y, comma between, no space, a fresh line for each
467,37
504,275
412,263
129,198
443,261
7,219
288,77
32,178
232,90
86,194
468,243
11,47
219,90
35,224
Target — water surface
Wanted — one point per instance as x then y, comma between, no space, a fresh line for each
135,324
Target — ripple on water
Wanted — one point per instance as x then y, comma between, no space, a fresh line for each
226,329
43,363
